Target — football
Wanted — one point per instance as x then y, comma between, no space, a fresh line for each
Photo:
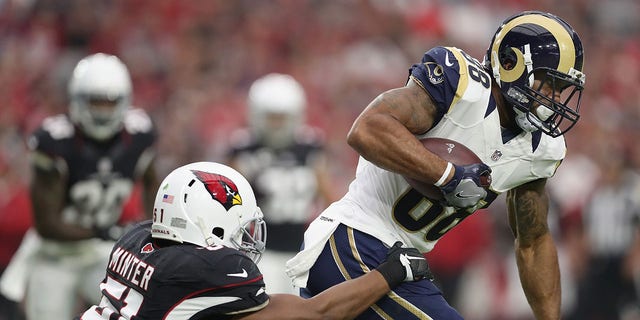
451,151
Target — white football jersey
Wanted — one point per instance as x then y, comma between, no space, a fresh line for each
382,204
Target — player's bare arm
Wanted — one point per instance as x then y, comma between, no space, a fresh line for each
47,189
384,133
343,301
536,254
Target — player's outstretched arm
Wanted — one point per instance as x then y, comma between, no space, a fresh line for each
536,253
350,298
343,301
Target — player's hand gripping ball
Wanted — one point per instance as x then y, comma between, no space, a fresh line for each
454,152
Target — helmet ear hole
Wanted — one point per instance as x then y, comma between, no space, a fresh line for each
508,58
218,232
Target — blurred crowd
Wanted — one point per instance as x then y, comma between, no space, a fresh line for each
192,62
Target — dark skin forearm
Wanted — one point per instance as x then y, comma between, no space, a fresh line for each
47,192
536,254
342,301
384,133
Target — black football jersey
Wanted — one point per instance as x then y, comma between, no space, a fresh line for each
180,281
284,182
100,174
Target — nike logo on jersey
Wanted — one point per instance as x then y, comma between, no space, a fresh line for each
242,274
446,61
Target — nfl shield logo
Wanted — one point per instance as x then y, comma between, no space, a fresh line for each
496,155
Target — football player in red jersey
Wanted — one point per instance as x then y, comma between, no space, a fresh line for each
85,165
511,110
196,259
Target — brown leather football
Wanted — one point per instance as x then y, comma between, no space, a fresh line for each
451,151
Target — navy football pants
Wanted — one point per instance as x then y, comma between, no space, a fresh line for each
350,253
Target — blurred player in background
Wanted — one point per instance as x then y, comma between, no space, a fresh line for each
197,260
285,161
610,227
512,111
15,220
85,165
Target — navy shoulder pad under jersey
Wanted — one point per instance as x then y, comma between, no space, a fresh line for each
444,73
180,281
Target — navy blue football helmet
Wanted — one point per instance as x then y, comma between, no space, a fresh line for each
535,45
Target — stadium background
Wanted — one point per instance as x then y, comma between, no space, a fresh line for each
192,62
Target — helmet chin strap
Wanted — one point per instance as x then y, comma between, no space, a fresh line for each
529,63
526,121
521,117
496,67
208,237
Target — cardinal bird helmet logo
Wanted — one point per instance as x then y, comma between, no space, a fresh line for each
221,188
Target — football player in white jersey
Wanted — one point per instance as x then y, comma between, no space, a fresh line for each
512,110
85,165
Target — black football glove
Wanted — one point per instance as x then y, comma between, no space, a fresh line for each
465,189
404,264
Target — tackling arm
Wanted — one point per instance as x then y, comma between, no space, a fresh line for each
536,254
348,299
343,301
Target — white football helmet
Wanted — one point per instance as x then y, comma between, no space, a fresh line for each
206,204
276,108
97,80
